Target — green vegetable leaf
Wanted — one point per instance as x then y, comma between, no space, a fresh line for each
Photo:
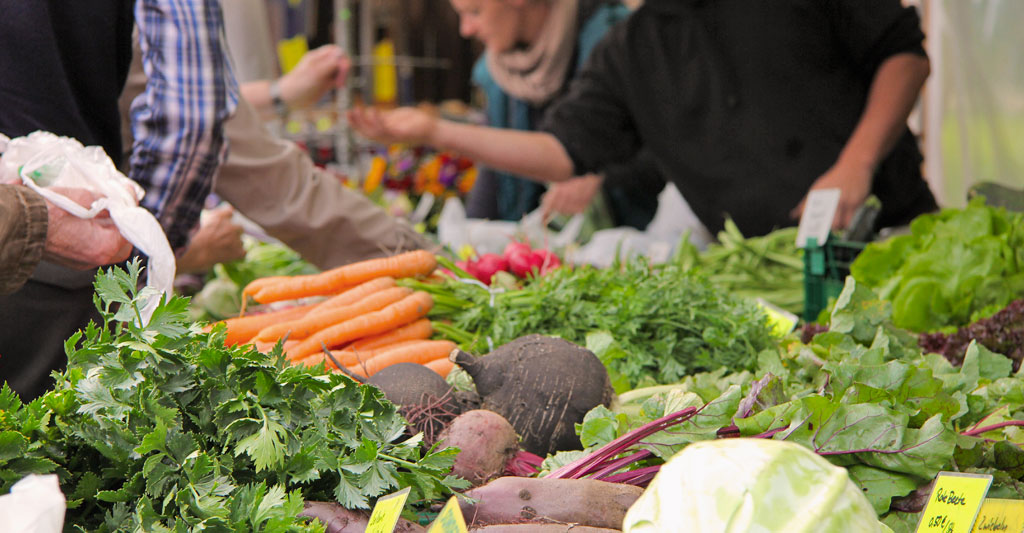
274,498
265,446
12,445
1008,458
348,494
881,486
991,365
155,440
955,265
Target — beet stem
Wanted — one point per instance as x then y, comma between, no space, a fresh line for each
584,465
618,464
985,429
639,477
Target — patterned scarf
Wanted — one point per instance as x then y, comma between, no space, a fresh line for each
534,75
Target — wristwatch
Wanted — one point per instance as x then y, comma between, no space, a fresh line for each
280,107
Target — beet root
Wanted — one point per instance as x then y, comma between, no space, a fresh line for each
486,443
586,502
424,397
338,519
409,384
534,527
543,386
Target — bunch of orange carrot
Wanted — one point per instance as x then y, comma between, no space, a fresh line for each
367,322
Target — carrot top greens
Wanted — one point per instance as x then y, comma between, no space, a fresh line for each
161,426
665,323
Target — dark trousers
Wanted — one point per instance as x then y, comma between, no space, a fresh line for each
34,323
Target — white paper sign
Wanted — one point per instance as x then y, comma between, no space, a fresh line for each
819,211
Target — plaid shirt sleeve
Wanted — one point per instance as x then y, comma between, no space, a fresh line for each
178,122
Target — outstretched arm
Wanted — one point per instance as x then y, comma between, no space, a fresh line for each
316,73
536,155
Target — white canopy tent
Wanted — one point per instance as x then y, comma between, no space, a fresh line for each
973,106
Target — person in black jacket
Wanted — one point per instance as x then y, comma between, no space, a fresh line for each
745,106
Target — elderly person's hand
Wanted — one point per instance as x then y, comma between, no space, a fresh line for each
82,243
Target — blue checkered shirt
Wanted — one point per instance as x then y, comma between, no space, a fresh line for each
178,122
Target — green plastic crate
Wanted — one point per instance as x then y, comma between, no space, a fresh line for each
825,271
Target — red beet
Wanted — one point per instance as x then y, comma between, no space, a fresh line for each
586,502
523,265
471,269
486,443
516,248
549,261
490,264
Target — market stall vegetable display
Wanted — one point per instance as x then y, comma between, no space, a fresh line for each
163,426
332,392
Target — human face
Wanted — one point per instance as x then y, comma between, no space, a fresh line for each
495,23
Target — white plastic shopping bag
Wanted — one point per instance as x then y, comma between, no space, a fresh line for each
673,219
43,161
34,505
455,230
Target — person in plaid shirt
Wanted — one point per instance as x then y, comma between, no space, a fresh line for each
62,68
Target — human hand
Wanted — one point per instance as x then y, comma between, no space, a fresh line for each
854,184
218,240
571,197
318,71
403,125
82,243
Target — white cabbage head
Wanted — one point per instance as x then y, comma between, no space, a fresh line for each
751,486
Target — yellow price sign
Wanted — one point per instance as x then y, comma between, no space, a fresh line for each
954,503
781,321
387,512
449,520
1000,516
